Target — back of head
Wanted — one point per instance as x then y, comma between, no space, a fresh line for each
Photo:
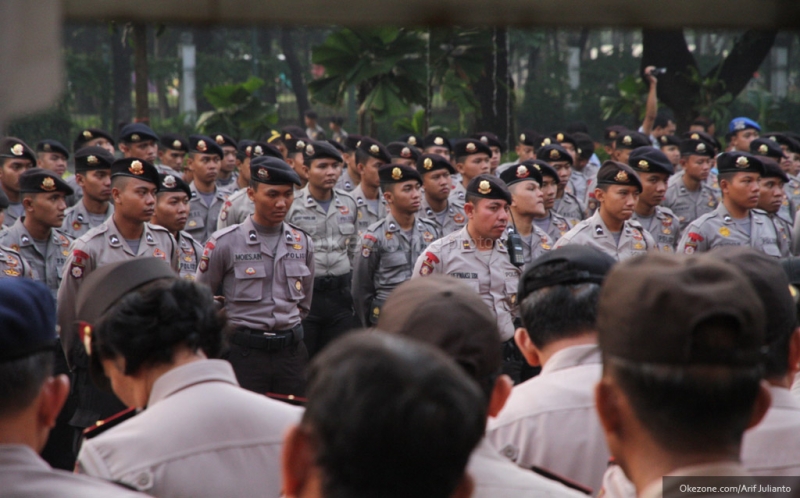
390,417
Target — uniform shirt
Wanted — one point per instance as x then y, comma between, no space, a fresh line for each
569,207
386,260
550,420
24,474
718,228
457,256
556,227
633,240
13,211
367,215
345,181
47,268
333,232
535,244
13,265
263,289
77,220
772,448
97,247
783,228
792,201
230,184
579,181
689,206
203,217
660,488
664,227
458,193
200,436
454,219
237,208
166,170
77,191
189,251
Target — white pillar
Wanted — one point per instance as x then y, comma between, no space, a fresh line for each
188,100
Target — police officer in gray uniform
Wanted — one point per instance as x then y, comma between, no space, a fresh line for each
552,223
688,195
791,148
772,197
471,158
93,177
654,169
265,268
207,197
735,222
35,235
171,212
436,206
566,204
172,150
391,246
611,229
371,155
524,183
402,153
350,177
329,216
770,151
15,157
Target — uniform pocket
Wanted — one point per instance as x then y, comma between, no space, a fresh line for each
347,228
295,273
395,268
249,284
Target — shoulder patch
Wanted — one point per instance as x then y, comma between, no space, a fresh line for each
102,426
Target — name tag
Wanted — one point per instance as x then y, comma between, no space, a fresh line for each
459,274
247,257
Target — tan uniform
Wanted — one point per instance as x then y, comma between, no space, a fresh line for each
493,277
201,435
235,210
459,192
633,240
455,219
47,268
77,221
333,232
686,207
558,227
345,181
664,227
202,217
366,214
12,264
387,259
718,228
569,207
189,251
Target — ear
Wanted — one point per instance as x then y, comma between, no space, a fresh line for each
27,203
124,148
460,168
297,461
361,167
250,193
599,194
53,396
115,194
606,400
80,179
761,405
500,393
388,197
526,347
469,209
794,353
465,487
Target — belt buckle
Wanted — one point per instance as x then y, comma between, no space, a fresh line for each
270,334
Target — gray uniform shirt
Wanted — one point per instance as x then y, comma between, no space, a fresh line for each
558,226
665,228
47,267
203,217
454,220
686,206
189,251
718,228
333,232
77,191
13,265
345,181
236,209
633,240
569,207
77,220
387,259
367,215
237,259
534,245
457,256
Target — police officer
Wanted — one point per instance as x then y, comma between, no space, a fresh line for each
611,229
139,141
238,206
265,268
490,139
329,216
791,150
742,131
769,151
436,205
171,212
477,255
735,222
524,183
93,176
12,264
527,143
654,169
371,155
670,145
552,223
771,198
583,170
207,198
15,157
559,158
402,153
471,158
391,246
624,142
34,235
172,150
688,194
437,143
350,177
52,155
92,137
226,176
294,141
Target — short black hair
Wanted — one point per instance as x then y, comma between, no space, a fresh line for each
310,114
391,417
362,156
22,379
119,181
662,120
703,121
146,325
577,126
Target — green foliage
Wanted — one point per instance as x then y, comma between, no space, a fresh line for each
709,101
55,123
237,111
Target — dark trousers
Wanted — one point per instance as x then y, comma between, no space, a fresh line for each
331,316
262,371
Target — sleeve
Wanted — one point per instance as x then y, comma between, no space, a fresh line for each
428,263
650,241
90,463
352,242
692,240
363,285
308,281
76,269
224,215
211,268
175,259
676,225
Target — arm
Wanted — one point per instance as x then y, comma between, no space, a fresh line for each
363,285
428,263
308,281
211,267
76,268
651,108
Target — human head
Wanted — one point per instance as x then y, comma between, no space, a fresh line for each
323,165
172,150
472,158
93,172
229,148
739,175
626,142
527,143
654,170
139,141
670,146
402,153
742,131
271,189
618,189
435,171
566,141
550,181
437,143
664,124
134,184
561,161
772,195
401,188
524,182
204,159
15,158
172,203
43,197
92,137
370,156
310,117
51,155
697,156
487,205
490,139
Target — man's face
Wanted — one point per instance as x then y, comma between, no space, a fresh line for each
787,162
272,202
295,160
10,172
741,139
696,167
564,171
549,191
172,211
53,161
771,194
621,155
488,218
172,158
101,142
571,149
528,198
135,200
673,153
525,152
324,172
244,170
96,184
369,172
473,165
146,150
228,159
654,188
795,163
310,122
350,160
437,184
46,209
667,130
437,149
618,201
743,190
404,197
494,161
204,167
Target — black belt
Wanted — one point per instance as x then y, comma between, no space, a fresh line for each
275,340
332,283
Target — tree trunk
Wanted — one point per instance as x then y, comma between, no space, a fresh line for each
295,72
492,90
140,69
161,84
121,110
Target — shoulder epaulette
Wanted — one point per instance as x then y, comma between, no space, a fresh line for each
295,227
224,231
102,426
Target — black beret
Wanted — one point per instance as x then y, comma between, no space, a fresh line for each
489,139
15,148
436,140
172,183
255,149
92,158
553,153
289,133
223,139
89,134
632,140
135,168
431,162
375,149
488,187
411,139
784,139
650,160
351,142
614,173
241,149
696,147
521,172
203,144
739,162
273,171
766,147
773,170
173,141
316,150
42,181
544,168
403,150
578,264
27,318
296,145
701,135
337,144
137,132
560,137
470,146
48,145
398,173
585,144
530,137
665,140
611,133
